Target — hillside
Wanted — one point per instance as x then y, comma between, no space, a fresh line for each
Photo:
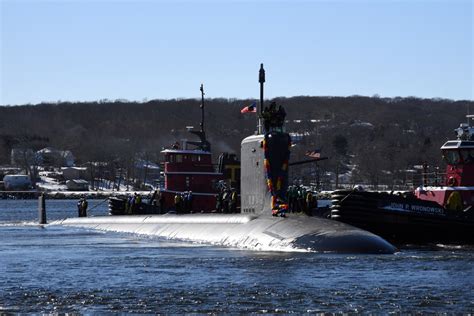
378,136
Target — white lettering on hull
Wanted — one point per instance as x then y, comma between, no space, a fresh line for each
407,208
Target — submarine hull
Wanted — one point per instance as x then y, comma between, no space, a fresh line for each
298,233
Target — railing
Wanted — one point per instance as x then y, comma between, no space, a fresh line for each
433,178
408,182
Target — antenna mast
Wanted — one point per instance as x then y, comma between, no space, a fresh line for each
202,108
203,144
468,115
261,79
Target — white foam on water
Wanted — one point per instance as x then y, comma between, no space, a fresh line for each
18,224
443,246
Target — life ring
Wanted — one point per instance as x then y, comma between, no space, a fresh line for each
452,181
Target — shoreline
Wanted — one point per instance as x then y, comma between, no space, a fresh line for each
66,195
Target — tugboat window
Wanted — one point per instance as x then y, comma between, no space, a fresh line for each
451,157
179,158
467,155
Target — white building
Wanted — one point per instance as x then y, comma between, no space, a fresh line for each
17,182
53,157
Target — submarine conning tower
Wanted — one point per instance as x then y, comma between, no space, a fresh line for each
264,161
255,194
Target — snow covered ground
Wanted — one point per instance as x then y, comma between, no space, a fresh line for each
54,187
48,183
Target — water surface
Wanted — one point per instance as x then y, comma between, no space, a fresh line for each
58,269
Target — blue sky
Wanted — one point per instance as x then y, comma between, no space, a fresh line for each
92,50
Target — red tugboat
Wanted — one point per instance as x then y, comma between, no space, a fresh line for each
430,214
459,181
191,182
190,172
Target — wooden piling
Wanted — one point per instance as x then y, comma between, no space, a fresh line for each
42,209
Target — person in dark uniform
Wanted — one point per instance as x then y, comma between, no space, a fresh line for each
138,203
266,118
161,201
219,202
233,201
280,117
129,205
82,207
225,201
309,203
177,202
183,203
291,203
153,197
190,201
79,208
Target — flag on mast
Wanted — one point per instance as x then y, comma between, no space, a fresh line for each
252,108
313,153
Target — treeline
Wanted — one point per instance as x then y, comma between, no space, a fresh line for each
402,131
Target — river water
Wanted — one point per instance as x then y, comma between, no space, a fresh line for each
55,269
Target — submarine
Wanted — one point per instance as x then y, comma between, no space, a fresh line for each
263,224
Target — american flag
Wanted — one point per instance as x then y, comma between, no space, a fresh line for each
252,108
314,153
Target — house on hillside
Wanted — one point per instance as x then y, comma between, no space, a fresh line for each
77,185
71,173
146,170
55,158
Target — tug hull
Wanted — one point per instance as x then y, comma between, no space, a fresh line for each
402,219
